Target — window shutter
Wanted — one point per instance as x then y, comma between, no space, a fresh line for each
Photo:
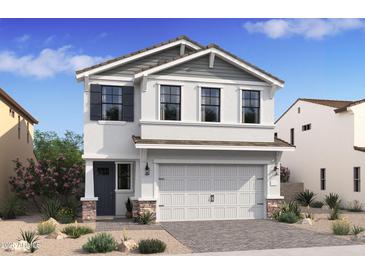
128,104
95,102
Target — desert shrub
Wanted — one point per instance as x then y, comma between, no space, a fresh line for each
145,218
341,227
355,206
335,213
11,208
288,217
45,228
150,246
31,238
125,236
332,200
317,204
100,243
305,198
50,208
65,215
284,174
308,215
75,231
291,207
355,230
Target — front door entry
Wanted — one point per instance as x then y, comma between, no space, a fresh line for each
104,187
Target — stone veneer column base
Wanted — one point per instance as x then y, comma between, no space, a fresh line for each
88,211
272,205
141,206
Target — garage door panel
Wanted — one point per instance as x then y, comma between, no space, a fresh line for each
238,192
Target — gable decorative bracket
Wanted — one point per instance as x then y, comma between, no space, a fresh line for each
211,59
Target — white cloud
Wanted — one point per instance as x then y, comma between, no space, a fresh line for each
49,39
47,63
308,28
23,38
103,35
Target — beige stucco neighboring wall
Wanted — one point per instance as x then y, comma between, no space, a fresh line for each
11,147
359,124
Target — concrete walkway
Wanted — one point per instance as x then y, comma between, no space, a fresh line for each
349,250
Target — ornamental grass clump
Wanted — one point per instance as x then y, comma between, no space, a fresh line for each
145,218
101,243
75,231
355,206
288,213
150,246
31,238
45,228
341,227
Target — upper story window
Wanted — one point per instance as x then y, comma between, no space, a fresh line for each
298,110
356,179
19,127
170,102
11,112
292,137
323,179
251,106
114,103
28,133
306,127
210,104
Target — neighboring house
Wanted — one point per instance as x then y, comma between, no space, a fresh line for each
329,137
16,139
184,130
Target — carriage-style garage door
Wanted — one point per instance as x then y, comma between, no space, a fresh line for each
210,192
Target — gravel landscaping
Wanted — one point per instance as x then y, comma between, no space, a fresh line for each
10,232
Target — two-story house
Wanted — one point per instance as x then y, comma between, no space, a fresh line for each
329,136
16,139
185,131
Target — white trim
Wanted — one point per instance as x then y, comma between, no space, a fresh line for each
218,162
132,166
199,103
111,78
91,199
212,147
211,60
119,83
207,80
114,123
109,157
158,109
114,64
221,54
205,124
182,49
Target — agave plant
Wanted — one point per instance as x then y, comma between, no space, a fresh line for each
31,238
305,198
332,200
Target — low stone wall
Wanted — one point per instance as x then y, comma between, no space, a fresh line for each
140,207
88,211
290,190
272,205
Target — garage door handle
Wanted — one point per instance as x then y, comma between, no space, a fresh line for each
161,205
260,203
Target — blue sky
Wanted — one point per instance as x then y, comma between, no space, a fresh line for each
317,58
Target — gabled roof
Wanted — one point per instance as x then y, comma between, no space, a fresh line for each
359,148
350,104
6,97
136,54
328,103
212,48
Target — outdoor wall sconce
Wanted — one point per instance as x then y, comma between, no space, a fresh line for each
276,170
147,170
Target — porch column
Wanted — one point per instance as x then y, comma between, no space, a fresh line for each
89,200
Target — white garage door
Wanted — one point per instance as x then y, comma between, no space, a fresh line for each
210,192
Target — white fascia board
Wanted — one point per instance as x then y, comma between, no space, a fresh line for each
111,65
219,53
210,147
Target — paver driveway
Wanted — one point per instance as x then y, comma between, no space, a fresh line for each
216,236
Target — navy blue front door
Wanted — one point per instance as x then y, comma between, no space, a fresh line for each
104,187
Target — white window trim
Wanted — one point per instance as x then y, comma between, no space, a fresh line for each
132,177
242,89
159,84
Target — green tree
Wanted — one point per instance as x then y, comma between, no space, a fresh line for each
48,146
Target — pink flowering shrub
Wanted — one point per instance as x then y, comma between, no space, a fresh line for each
284,174
47,179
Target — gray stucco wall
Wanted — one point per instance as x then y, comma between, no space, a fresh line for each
290,190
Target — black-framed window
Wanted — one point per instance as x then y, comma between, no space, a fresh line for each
292,136
275,135
210,104
251,106
323,179
28,133
125,176
356,179
306,127
19,133
170,102
114,103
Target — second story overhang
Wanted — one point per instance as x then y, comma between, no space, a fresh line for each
277,145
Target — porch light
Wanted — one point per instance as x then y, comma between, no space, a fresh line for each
147,170
276,170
